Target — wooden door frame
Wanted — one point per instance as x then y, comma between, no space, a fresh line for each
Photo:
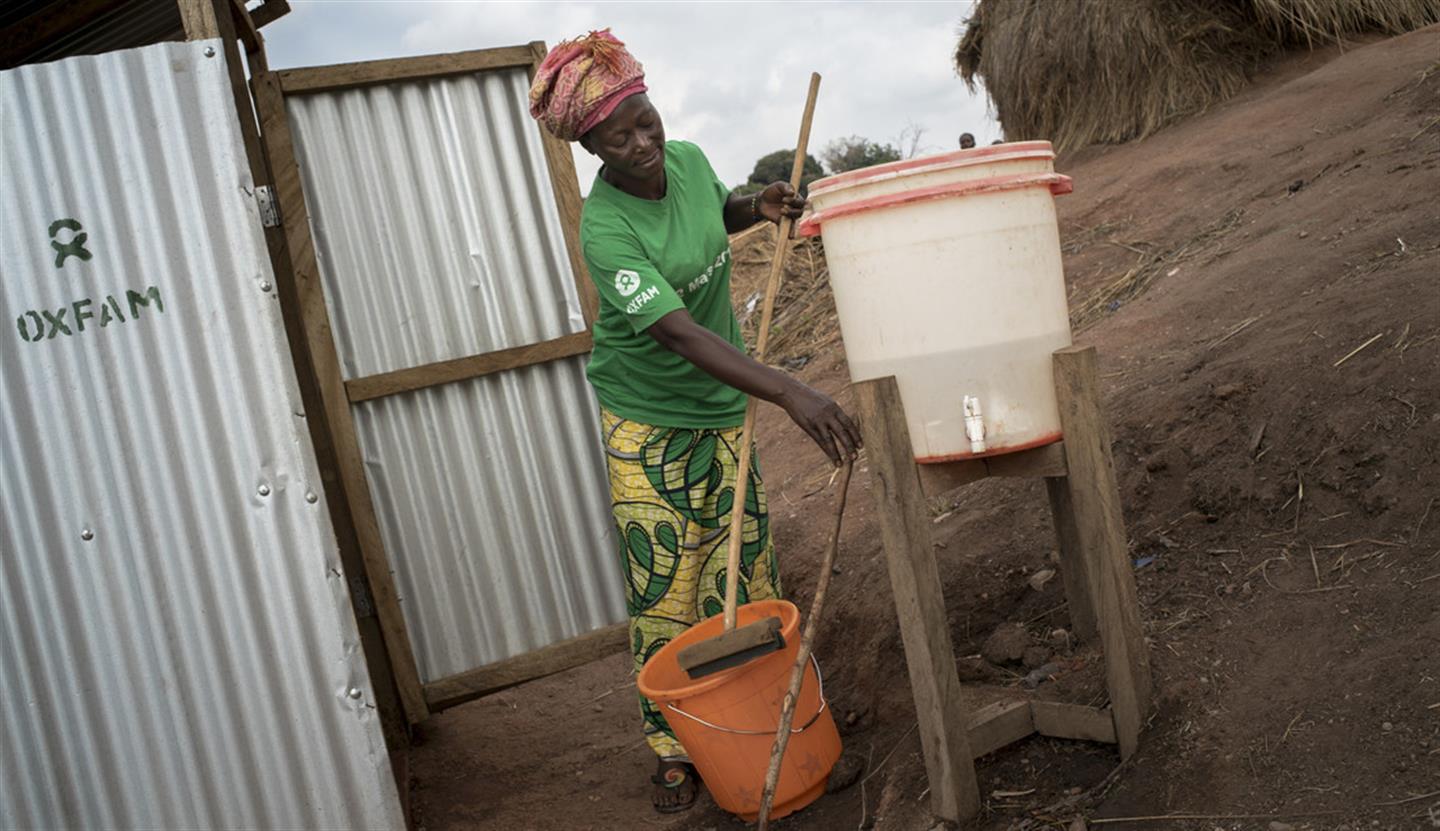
386,651
234,26
559,164
336,396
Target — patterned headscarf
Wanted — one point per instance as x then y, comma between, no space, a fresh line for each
581,82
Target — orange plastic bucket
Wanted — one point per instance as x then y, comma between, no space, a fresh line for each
727,721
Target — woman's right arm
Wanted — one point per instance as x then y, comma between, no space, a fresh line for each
815,412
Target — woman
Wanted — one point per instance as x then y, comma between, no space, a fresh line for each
669,365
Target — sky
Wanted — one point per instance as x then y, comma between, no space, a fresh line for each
729,76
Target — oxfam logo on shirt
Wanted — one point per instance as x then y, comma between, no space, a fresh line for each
626,282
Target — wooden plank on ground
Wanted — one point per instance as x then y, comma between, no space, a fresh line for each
1100,535
501,675
919,601
999,724
1073,721
560,162
1074,568
312,79
463,369
314,319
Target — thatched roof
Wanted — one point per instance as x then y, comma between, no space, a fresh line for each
1083,71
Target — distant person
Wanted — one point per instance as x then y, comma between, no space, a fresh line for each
967,141
669,365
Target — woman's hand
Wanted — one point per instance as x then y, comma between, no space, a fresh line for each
816,413
779,199
822,419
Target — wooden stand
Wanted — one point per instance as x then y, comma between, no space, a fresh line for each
1095,569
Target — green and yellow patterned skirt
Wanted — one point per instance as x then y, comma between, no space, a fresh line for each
672,489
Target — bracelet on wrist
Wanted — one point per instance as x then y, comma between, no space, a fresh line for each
755,207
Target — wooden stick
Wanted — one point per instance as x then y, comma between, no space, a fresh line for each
1357,349
807,640
772,288
1415,798
1177,817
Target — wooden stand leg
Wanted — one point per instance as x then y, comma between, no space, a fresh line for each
1074,571
1099,532
919,601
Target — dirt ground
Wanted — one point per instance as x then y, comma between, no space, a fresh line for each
1280,494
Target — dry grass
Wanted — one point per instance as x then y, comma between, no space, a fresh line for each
1150,264
805,324
1077,73
1312,21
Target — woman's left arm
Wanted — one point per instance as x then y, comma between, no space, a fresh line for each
775,201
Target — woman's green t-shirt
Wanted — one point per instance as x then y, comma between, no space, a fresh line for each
649,258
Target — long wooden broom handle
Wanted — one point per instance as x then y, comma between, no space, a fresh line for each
807,642
772,287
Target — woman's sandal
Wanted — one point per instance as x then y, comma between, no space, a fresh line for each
678,787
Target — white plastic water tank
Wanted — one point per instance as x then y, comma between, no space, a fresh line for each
946,272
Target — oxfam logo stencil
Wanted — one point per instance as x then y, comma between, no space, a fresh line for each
73,247
626,282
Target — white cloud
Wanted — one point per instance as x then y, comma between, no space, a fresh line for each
730,76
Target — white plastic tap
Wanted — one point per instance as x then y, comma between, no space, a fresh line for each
974,424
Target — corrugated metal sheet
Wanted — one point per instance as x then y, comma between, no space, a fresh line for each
176,646
438,237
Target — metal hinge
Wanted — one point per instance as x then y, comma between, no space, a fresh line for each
269,211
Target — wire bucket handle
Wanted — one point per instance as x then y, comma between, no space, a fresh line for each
819,680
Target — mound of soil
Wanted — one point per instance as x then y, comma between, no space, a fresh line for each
1263,285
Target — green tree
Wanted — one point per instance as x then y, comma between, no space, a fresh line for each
775,167
855,152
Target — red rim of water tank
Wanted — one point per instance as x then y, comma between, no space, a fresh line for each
1049,438
958,158
1057,183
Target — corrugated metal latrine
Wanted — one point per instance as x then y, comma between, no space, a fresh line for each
176,645
438,237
